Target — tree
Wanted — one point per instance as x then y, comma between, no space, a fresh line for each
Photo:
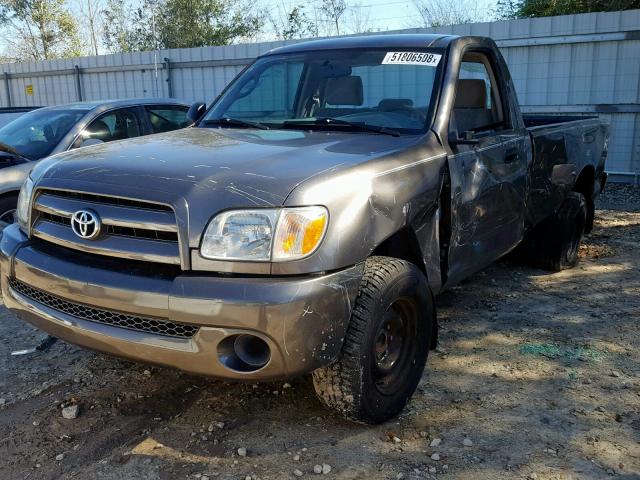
333,10
547,8
440,13
40,29
115,26
158,24
296,24
127,29
90,11
358,18
508,9
196,23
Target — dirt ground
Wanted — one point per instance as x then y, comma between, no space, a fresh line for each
537,376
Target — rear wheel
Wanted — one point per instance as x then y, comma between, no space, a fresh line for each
591,214
386,345
555,243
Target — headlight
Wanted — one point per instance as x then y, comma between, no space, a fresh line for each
240,235
299,232
265,235
24,204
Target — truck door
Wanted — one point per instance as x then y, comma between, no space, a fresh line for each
488,173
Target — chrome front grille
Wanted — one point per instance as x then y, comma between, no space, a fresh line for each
131,229
99,315
107,200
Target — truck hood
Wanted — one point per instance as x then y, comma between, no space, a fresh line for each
209,170
258,167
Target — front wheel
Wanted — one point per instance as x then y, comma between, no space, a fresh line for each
386,344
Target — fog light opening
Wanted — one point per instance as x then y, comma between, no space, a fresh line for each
252,350
244,353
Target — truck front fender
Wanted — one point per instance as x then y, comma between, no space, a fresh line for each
373,205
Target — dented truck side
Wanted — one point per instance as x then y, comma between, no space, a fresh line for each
384,212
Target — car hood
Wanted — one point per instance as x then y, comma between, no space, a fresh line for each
210,170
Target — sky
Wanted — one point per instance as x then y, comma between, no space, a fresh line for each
380,15
397,14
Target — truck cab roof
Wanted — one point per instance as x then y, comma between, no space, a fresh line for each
418,40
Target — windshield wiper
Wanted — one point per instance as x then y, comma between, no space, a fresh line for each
360,126
12,151
235,122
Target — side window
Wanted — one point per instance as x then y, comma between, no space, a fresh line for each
117,125
167,118
478,107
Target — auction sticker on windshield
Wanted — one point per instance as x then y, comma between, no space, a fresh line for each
412,58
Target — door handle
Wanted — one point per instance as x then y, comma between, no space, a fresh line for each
511,155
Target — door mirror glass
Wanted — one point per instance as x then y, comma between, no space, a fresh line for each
195,113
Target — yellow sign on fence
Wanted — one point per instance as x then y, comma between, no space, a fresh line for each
28,89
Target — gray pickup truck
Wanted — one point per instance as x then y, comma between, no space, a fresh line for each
306,222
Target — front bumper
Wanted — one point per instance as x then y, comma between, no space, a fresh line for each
303,320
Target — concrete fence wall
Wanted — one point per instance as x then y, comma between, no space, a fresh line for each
575,64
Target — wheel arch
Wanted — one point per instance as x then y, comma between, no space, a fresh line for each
585,184
404,245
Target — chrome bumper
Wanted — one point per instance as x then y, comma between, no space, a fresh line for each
303,320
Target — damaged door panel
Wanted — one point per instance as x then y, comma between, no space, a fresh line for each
488,169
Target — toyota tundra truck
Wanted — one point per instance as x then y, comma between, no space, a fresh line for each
307,219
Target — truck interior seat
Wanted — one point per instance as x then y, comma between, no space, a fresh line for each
342,91
470,110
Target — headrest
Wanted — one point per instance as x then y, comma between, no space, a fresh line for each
344,91
471,93
389,104
98,129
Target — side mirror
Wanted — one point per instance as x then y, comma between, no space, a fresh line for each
468,138
195,112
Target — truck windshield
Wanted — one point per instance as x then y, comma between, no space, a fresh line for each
34,135
370,90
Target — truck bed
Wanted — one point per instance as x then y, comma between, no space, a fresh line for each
532,121
557,140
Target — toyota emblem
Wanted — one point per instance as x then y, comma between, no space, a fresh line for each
86,224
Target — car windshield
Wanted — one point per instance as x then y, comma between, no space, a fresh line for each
388,90
34,135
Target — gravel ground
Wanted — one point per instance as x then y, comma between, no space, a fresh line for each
537,376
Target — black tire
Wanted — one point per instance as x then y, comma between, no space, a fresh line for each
555,243
591,215
386,344
8,206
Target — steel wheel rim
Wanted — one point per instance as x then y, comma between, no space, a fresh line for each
393,347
